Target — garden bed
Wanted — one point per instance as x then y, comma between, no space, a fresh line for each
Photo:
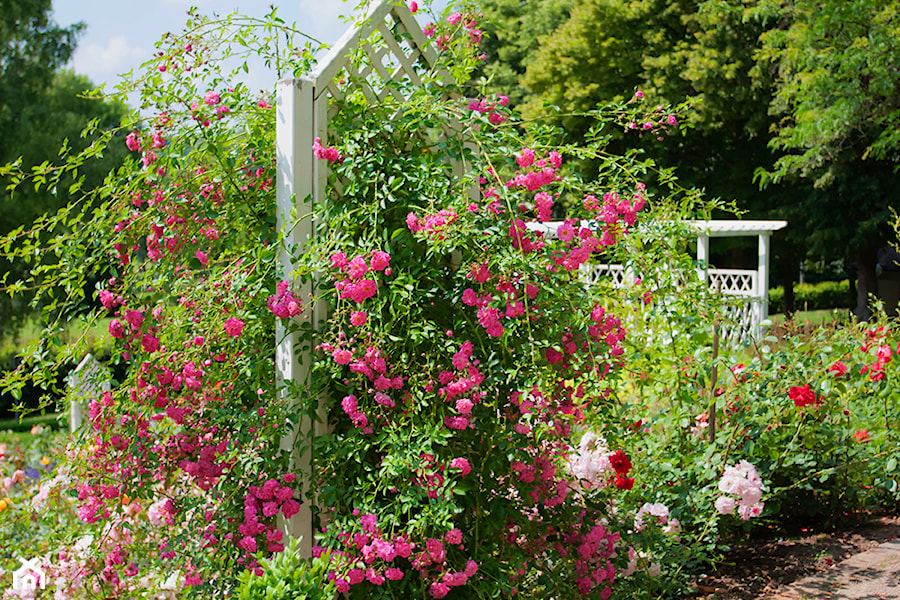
764,566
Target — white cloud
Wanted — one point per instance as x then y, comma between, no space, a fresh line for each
102,63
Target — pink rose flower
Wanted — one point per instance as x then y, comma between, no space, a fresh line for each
234,327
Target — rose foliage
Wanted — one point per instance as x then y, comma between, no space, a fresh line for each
473,396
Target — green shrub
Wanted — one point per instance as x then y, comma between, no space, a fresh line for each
287,576
813,296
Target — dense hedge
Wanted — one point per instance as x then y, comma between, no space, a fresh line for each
813,296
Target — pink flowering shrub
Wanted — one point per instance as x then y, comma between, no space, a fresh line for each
743,481
809,435
475,431
462,371
176,482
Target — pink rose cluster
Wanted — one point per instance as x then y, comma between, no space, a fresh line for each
589,465
657,513
464,22
540,172
509,298
429,474
375,368
261,505
524,240
234,327
284,304
359,419
469,24
742,481
657,122
464,382
585,542
128,326
878,337
492,108
330,154
594,549
357,286
174,231
616,212
432,226
369,556
574,354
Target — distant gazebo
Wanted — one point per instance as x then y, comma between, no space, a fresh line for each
751,285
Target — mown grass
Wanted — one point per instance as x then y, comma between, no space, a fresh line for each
814,318
52,420
98,335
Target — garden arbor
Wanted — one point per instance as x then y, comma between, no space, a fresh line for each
751,285
748,287
385,57
372,61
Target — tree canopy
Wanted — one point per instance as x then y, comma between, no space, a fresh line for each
43,108
794,112
32,48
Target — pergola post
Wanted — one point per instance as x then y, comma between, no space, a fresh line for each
762,279
702,255
295,163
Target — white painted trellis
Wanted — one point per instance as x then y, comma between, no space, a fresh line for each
374,62
751,285
377,59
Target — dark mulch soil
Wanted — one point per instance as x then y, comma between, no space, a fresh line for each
764,566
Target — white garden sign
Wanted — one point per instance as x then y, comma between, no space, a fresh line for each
86,381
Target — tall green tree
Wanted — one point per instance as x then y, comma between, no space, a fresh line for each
742,62
41,108
837,99
32,48
516,29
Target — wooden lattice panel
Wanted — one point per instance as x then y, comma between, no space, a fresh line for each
381,60
592,274
734,282
86,382
739,322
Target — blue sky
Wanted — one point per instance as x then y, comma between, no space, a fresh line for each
120,33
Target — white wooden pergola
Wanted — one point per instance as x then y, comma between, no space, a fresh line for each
749,285
377,59
387,51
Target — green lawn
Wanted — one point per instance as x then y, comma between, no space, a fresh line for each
98,335
23,425
827,316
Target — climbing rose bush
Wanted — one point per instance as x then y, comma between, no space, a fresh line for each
461,376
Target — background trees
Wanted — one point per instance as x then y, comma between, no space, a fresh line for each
835,84
40,106
794,106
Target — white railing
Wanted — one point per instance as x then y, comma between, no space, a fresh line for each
735,282
742,316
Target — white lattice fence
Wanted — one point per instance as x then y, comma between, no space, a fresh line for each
734,282
742,309
592,274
